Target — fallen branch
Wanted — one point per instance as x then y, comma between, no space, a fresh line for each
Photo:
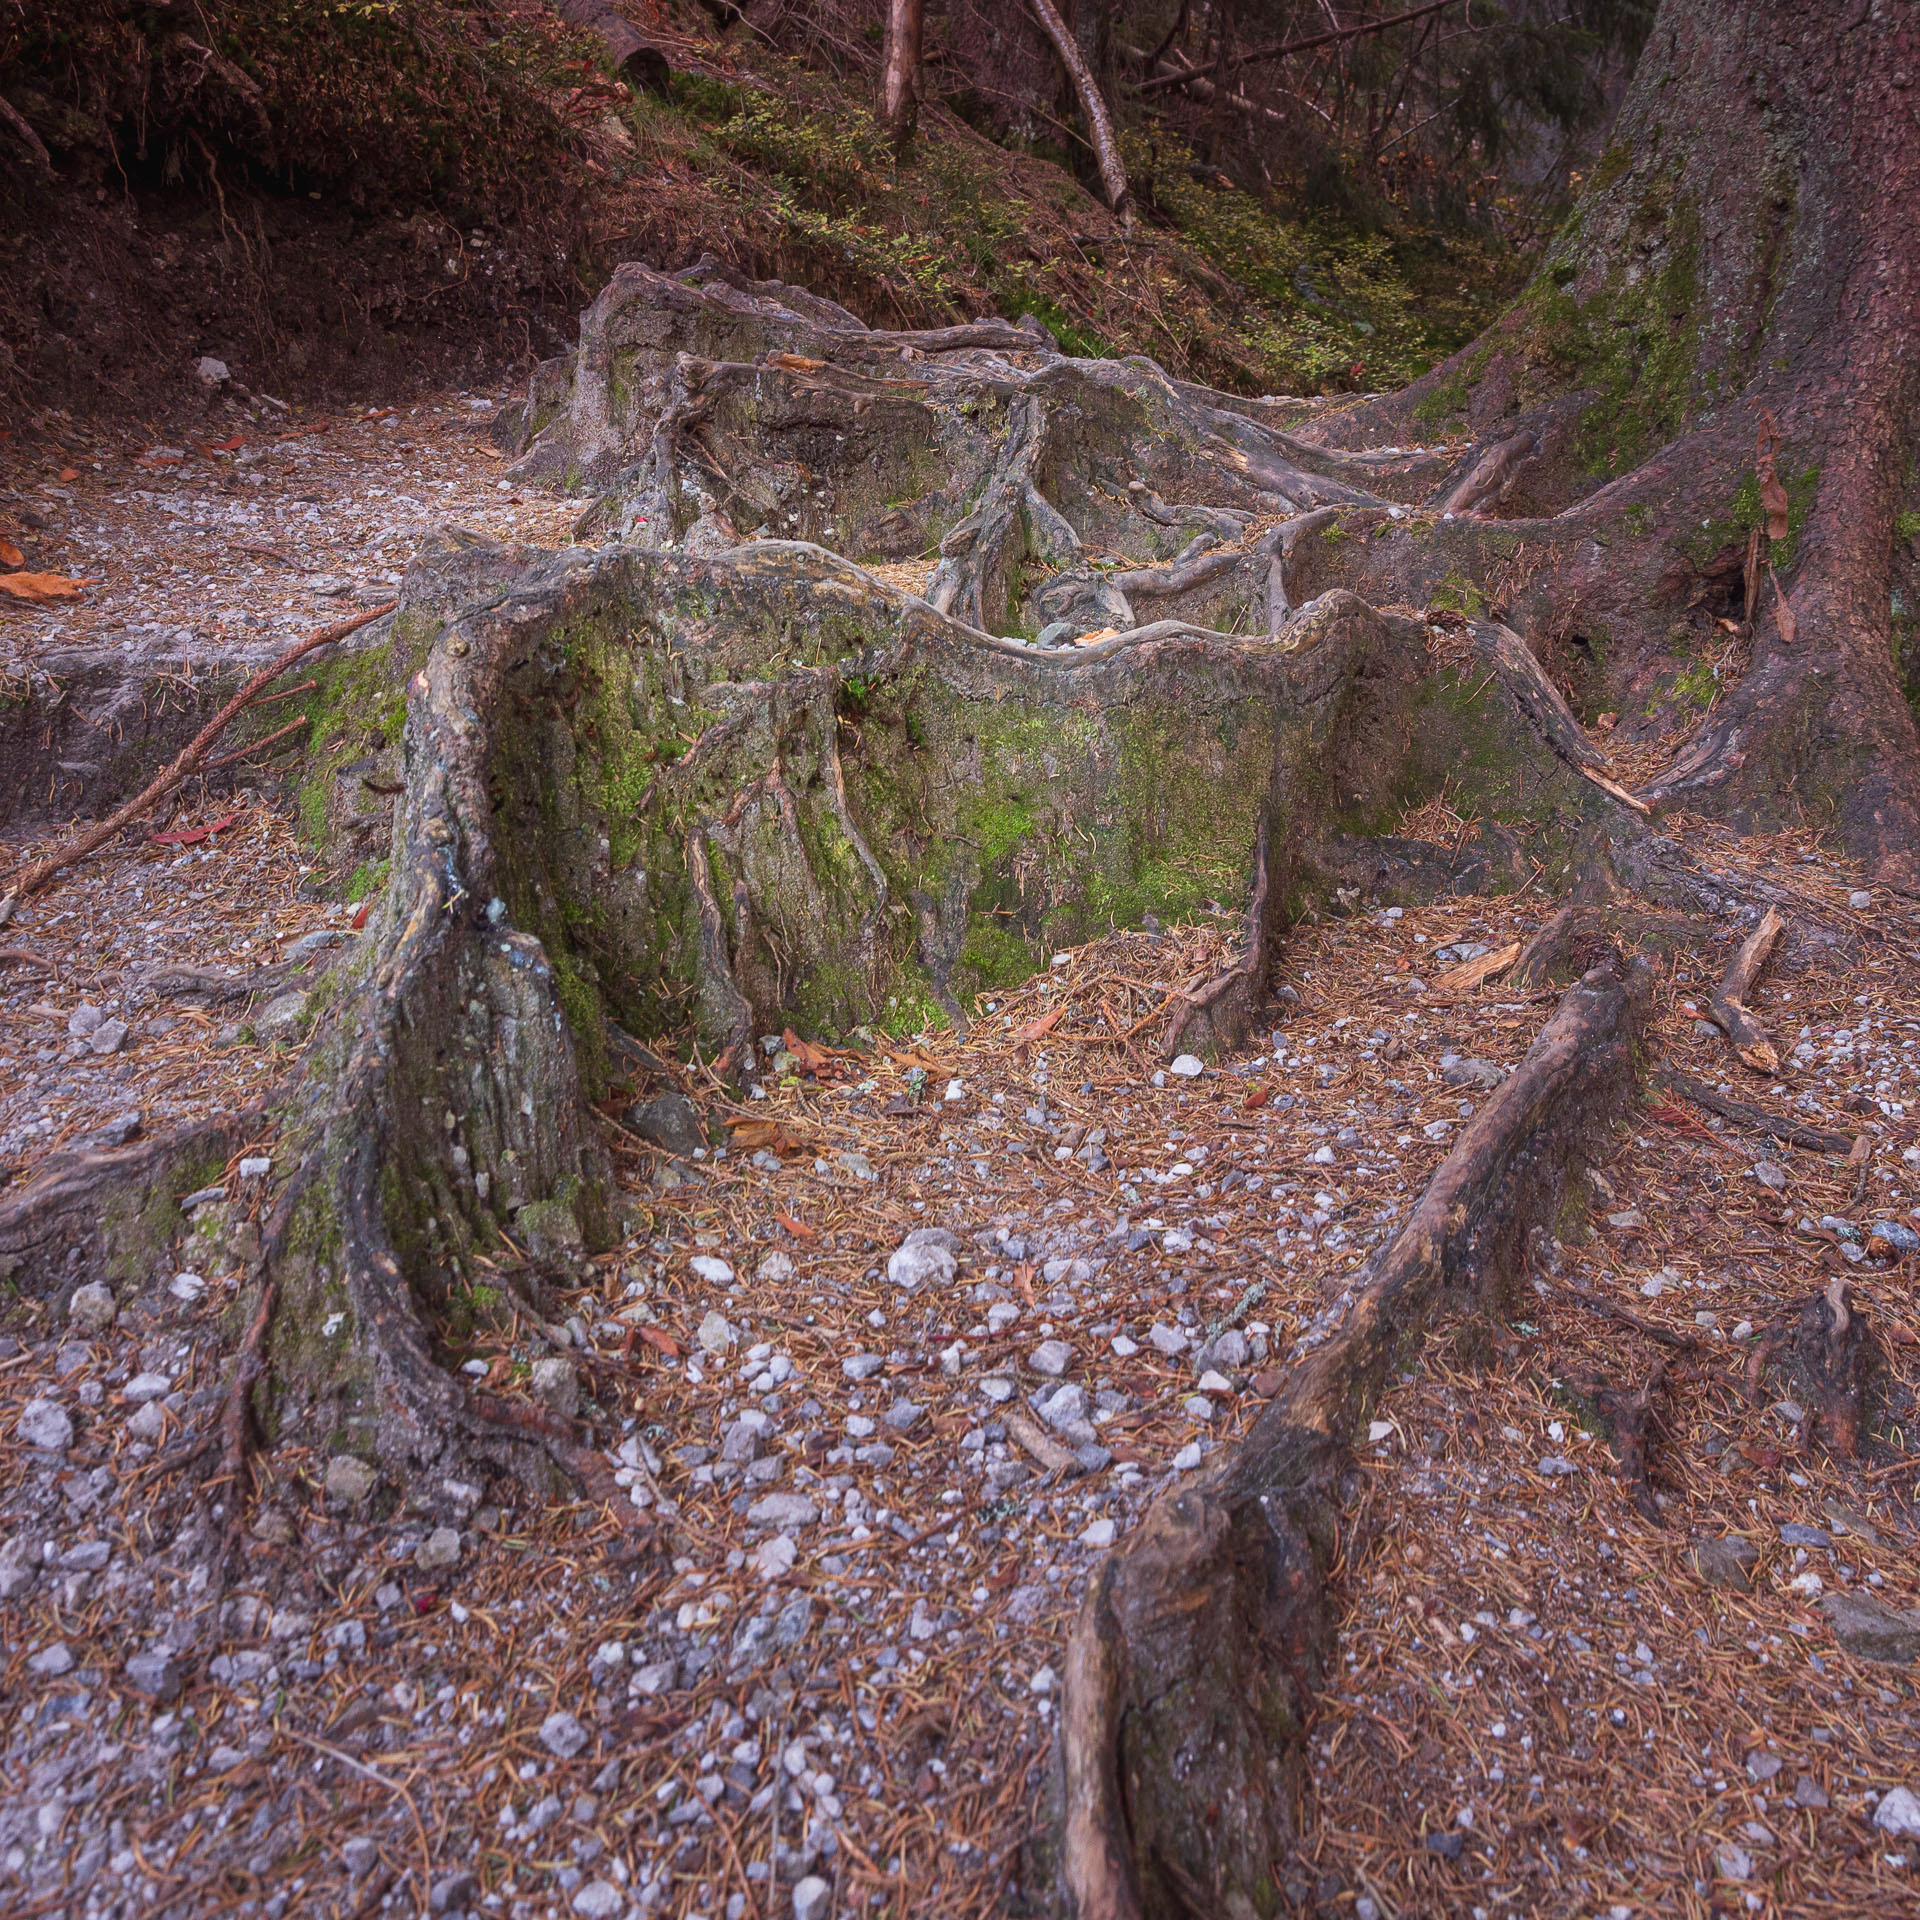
1281,49
1106,144
32,878
1680,1342
1729,1008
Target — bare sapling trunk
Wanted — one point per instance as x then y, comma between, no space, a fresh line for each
1093,103
899,103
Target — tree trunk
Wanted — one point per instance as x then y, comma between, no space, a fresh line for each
1746,253
899,103
1093,103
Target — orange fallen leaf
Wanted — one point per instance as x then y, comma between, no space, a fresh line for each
797,1228
1257,1098
1039,1028
40,586
10,555
661,1342
69,473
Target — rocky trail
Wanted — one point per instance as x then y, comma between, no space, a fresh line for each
899,1348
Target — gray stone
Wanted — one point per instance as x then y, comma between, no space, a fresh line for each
556,1385
1227,1353
51,1662
712,1269
1188,1066
1771,1175
741,1443
146,1386
45,1424
562,1735
921,1263
350,1481
812,1898
862,1366
783,1510
1792,1534
903,1416
714,1334
438,1551
658,1676
84,1019
599,1900
149,1423
282,1017
108,1037
1870,1630
1727,1563
359,1853
155,1673
671,1122
19,1567
1051,1357
1808,1792
92,1305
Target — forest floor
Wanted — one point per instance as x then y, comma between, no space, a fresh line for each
878,1503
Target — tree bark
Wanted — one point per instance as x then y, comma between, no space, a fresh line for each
1747,249
899,103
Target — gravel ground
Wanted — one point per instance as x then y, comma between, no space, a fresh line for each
883,1468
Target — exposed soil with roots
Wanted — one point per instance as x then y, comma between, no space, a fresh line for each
1068,810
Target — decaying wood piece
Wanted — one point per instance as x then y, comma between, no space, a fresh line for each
1626,1413
1834,1353
1729,1008
1199,1646
1572,940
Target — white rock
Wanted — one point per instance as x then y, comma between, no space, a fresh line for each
1378,1430
1898,1814
714,1271
1187,1066
255,1167
1099,1534
912,1267
1322,1156
862,1366
562,1735
1051,1357
45,1424
1167,1340
1188,1457
93,1306
774,1266
599,1900
1124,1347
1211,1382
147,1386
50,1662
1042,1681
775,1557
186,1286
655,1678
812,1898
1196,1406
783,1510
956,1090
715,1335
1859,900
212,372
997,1388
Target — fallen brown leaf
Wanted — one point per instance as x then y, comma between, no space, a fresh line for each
40,586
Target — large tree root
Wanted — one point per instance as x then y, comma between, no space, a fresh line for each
1200,1645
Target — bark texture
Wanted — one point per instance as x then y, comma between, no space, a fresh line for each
1745,261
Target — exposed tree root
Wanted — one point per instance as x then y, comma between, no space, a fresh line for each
1197,1651
190,758
1625,1413
1752,1119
